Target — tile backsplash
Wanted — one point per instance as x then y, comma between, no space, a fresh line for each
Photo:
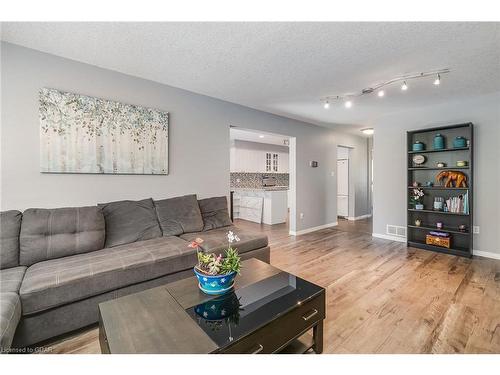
254,180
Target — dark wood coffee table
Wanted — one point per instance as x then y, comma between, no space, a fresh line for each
270,311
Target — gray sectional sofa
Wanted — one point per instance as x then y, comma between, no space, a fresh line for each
57,265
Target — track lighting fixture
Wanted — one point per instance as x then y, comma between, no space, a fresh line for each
347,98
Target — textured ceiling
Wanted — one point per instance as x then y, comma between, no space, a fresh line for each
284,68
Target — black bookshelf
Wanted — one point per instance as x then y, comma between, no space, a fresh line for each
461,241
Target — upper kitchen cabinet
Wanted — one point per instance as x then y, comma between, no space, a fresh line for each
253,157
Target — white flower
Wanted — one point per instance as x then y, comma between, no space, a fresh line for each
213,284
213,307
223,312
223,280
231,237
205,279
205,314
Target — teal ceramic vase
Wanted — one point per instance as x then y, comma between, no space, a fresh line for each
459,142
418,146
438,142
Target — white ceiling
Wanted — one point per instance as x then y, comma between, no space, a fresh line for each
284,68
259,137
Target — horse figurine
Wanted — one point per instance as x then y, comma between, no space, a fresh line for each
459,178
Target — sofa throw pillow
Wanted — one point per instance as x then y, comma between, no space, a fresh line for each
10,226
214,212
60,232
130,221
179,215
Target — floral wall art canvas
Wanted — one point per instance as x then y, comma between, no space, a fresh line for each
83,134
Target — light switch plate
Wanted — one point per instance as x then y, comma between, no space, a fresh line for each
475,229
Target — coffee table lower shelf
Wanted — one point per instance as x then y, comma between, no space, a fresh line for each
301,345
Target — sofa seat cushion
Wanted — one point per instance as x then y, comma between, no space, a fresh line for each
130,221
61,281
11,278
215,213
10,226
215,240
10,314
60,232
179,215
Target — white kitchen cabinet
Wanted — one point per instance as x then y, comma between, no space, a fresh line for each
274,207
254,160
283,166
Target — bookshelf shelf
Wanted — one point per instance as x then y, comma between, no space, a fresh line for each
437,188
435,168
443,150
461,242
438,212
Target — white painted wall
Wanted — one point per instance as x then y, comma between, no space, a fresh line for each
389,198
198,149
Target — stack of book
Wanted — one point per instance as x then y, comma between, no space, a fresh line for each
458,204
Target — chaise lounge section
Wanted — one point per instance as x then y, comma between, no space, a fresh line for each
59,264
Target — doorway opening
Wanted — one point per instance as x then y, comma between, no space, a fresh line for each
350,181
262,178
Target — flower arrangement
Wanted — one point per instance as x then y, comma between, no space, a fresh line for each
417,195
215,273
212,264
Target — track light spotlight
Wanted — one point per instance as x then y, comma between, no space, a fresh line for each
404,86
381,93
326,105
348,104
437,81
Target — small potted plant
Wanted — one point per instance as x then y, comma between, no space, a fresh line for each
417,196
216,273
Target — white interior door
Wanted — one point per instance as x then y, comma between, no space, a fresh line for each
343,187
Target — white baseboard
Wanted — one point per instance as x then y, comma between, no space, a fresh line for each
479,253
359,217
313,229
389,237
486,254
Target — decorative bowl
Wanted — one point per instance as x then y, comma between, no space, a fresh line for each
214,284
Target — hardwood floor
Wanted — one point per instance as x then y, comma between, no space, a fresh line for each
363,225
382,297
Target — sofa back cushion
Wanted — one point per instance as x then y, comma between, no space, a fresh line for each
179,215
130,221
214,212
60,232
10,226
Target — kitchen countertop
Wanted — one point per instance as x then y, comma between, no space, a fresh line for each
264,188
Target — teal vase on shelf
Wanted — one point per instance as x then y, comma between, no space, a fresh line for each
459,142
418,146
438,142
